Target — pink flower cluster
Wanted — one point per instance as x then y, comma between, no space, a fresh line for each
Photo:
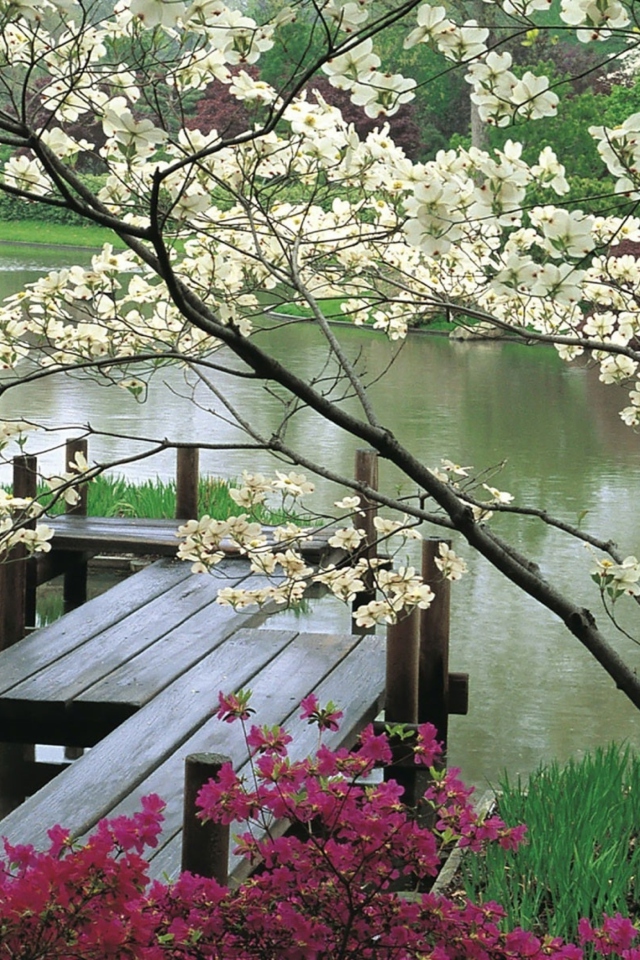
344,884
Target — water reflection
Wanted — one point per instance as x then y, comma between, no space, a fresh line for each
535,693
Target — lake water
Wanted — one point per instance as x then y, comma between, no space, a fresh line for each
535,694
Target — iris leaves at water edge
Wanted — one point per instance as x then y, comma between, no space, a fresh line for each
581,856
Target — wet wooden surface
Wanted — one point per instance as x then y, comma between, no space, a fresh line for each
136,673
73,681
139,536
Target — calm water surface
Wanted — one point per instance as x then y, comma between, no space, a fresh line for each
535,693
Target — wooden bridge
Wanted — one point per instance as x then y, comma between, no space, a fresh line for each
135,674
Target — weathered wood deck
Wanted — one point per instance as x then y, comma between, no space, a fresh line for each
75,680
135,674
139,536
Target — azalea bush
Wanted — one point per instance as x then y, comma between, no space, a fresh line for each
350,881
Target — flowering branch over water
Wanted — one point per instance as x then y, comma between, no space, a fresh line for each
297,206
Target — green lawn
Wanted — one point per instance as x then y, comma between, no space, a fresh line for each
55,234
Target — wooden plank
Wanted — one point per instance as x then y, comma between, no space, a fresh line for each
46,645
115,534
276,691
105,651
96,783
141,536
137,680
304,666
355,683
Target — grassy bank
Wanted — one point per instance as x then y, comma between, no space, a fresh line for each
56,234
582,854
156,499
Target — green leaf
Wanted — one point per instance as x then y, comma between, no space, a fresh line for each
530,37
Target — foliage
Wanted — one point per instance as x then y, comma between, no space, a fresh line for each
622,101
441,107
583,858
14,208
329,889
217,109
109,496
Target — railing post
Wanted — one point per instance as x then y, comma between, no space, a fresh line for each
401,701
187,482
14,582
366,471
75,577
205,846
17,608
433,703
25,484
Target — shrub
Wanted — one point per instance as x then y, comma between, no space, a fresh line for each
326,892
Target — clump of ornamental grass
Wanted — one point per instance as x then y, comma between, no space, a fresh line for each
582,855
115,496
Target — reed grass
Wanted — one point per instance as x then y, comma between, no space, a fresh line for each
582,855
114,496
34,232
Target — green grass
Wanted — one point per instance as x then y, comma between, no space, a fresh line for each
56,234
156,499
582,856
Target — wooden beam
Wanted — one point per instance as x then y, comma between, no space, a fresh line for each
366,471
187,483
75,575
205,846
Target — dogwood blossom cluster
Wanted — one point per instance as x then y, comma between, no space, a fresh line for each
397,238
301,208
18,526
449,231
205,543
65,485
617,579
15,431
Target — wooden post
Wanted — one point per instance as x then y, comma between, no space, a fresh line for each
75,577
25,484
17,607
205,846
187,482
401,702
13,571
403,646
366,471
433,702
